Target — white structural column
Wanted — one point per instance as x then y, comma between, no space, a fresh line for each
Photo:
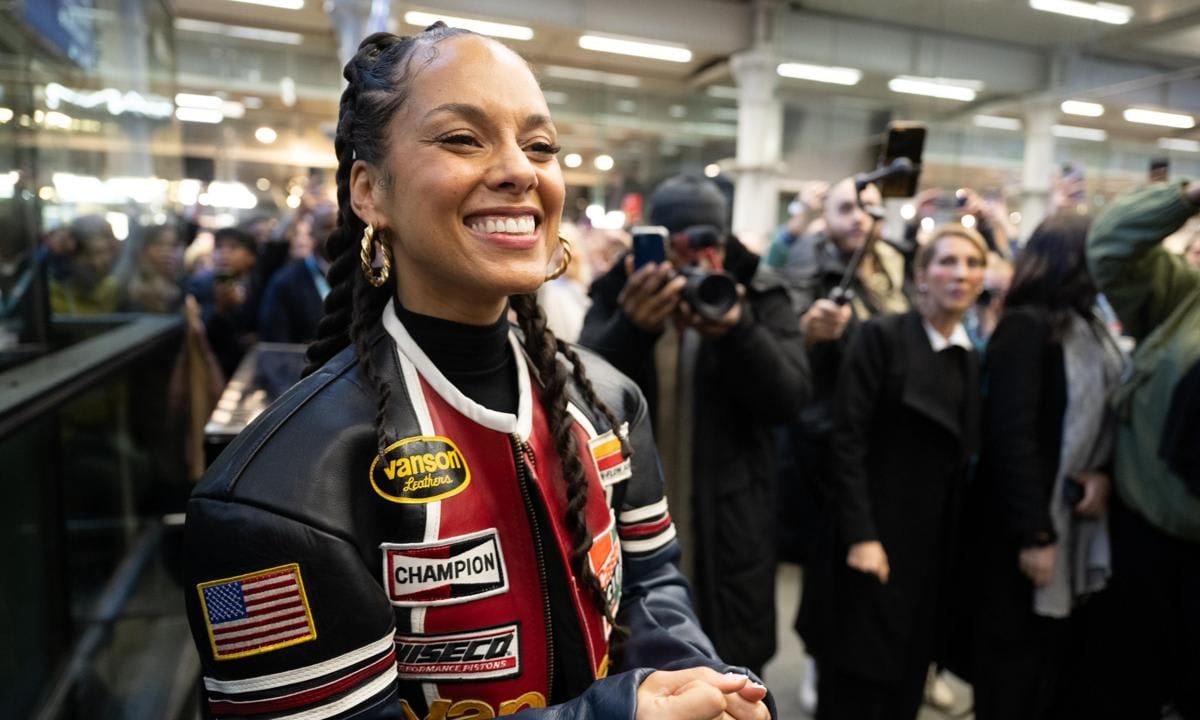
354,20
759,144
1038,170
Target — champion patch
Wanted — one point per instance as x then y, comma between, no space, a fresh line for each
487,654
420,470
256,613
445,572
611,466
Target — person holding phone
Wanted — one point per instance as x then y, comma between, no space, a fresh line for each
905,427
721,386
1044,487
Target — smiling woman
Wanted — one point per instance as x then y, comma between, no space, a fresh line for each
447,516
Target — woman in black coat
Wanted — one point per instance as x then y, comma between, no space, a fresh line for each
1047,442
905,428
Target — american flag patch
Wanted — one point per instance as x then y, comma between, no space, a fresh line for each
256,612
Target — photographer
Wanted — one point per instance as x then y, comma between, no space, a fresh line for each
736,375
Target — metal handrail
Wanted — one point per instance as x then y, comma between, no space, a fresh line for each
116,595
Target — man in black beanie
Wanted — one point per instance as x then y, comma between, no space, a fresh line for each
715,388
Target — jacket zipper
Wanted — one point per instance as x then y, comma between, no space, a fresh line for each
522,453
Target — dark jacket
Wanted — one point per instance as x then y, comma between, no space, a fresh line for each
901,448
291,306
1156,294
409,589
750,379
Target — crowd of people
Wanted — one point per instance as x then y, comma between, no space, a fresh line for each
983,452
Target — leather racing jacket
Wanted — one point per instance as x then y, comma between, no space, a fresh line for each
323,581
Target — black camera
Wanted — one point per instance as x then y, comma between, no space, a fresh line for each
711,294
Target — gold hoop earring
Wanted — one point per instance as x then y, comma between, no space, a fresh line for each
564,262
375,277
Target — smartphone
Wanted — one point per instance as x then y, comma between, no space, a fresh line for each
904,139
649,244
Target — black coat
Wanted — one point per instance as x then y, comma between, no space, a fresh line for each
905,431
291,306
747,381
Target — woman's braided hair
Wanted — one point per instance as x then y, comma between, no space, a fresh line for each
378,78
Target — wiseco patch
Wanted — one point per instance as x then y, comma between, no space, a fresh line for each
420,470
486,654
445,572
611,465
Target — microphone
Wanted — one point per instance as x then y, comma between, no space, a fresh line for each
899,166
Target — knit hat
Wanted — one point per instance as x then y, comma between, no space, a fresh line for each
684,201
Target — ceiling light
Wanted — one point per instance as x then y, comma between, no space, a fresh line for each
1074,132
712,170
1158,117
573,160
263,184
961,90
239,31
204,102
1179,144
564,72
820,73
635,48
1100,12
265,135
483,27
198,115
6,114
281,4
603,163
1080,107
233,109
996,122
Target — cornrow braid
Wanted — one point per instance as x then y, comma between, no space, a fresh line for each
590,396
542,347
377,80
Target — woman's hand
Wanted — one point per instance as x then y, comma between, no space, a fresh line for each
1095,494
1038,564
869,557
700,693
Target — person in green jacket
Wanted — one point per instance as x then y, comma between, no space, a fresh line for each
1156,519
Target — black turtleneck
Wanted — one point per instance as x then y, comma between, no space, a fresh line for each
476,359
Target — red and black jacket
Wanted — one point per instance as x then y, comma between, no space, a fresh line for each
324,582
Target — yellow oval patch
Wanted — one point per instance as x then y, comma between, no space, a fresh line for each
420,470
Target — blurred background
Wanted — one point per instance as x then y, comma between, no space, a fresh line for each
134,133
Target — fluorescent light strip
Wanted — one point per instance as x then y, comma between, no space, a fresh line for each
483,27
203,102
198,115
281,4
1100,12
931,88
995,122
635,48
820,73
239,31
1074,132
1180,144
1158,117
1082,108
564,72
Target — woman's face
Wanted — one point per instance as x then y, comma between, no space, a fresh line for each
475,193
162,254
955,275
